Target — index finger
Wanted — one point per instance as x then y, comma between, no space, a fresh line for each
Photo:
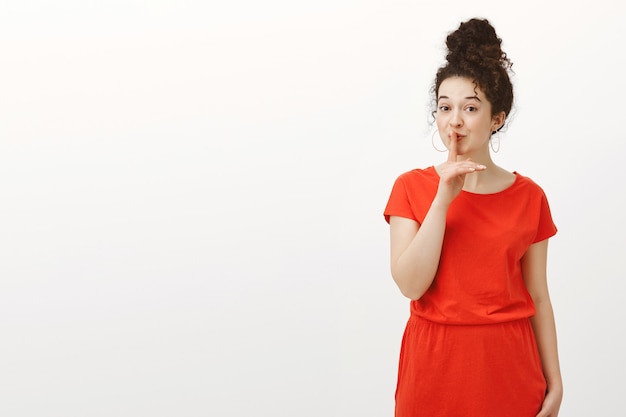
452,147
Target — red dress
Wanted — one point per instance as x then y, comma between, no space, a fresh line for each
469,349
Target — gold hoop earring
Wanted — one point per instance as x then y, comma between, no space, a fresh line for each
432,141
494,142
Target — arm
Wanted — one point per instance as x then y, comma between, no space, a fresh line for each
416,249
534,273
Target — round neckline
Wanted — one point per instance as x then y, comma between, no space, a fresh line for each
513,184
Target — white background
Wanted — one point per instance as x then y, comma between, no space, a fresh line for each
191,198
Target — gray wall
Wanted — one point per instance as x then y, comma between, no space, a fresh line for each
191,198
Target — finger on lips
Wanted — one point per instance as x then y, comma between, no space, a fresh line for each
452,147
452,154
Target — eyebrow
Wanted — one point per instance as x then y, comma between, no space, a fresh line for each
466,98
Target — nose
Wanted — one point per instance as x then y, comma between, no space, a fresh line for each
455,119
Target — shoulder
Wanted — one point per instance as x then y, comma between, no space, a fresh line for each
419,176
527,184
412,194
536,198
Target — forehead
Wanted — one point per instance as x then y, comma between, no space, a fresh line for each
459,88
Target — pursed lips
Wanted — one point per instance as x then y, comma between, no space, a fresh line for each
459,136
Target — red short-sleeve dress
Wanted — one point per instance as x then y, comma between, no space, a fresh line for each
468,349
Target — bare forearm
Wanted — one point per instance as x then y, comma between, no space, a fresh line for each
545,333
416,267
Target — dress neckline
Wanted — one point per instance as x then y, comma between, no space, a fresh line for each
470,193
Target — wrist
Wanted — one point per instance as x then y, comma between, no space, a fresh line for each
439,203
554,385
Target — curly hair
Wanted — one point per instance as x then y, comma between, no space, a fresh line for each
474,52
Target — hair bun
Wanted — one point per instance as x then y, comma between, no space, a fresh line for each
474,52
476,43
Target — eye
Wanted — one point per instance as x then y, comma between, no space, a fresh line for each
444,108
471,108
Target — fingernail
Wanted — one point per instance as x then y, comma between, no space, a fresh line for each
481,166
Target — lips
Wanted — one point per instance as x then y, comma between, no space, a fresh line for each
458,135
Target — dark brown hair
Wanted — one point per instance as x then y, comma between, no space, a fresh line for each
474,52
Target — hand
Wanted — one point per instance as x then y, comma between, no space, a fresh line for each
551,404
452,173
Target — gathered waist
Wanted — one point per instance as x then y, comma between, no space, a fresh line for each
473,321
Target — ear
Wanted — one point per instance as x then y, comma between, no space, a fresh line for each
497,120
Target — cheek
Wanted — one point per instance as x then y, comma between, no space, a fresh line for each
441,124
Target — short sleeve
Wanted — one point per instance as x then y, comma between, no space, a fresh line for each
398,203
546,227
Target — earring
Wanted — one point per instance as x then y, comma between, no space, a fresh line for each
432,141
494,141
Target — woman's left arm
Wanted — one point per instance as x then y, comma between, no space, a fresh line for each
534,265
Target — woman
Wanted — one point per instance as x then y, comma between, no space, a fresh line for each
469,245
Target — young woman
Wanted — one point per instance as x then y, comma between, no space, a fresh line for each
469,244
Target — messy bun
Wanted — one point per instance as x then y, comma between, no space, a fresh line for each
474,52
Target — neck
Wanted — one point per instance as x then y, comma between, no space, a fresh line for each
492,179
